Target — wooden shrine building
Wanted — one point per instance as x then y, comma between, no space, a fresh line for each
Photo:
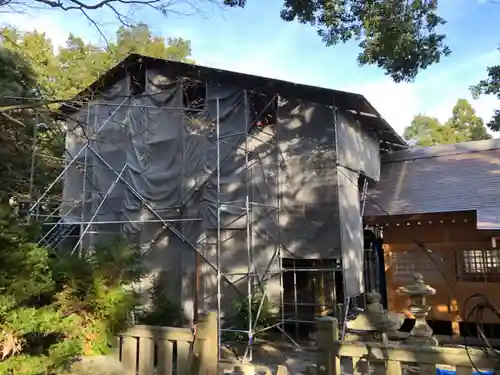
438,209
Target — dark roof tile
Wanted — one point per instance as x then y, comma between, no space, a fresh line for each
447,178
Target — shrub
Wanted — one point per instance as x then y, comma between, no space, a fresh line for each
239,318
56,308
162,311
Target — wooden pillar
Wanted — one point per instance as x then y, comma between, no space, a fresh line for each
328,363
205,348
321,300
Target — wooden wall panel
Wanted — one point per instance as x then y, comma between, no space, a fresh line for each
446,236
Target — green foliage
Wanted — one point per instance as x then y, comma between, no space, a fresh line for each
53,309
78,64
17,79
490,86
464,125
399,36
139,39
162,311
16,74
30,70
239,319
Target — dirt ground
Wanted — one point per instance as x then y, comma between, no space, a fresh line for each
266,356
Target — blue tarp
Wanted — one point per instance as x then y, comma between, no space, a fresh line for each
451,372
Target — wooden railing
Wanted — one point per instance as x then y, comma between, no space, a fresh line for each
337,357
148,350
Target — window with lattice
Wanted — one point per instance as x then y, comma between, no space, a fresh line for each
406,263
479,265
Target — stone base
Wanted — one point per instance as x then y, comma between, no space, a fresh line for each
428,341
97,365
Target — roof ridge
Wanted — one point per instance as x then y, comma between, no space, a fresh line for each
347,101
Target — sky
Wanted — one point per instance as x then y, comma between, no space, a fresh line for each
255,40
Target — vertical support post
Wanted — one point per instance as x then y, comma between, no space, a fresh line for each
346,299
295,300
218,241
327,335
196,298
83,196
250,270
323,306
33,155
278,216
205,351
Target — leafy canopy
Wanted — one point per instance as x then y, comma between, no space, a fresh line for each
77,64
463,125
31,70
490,86
399,36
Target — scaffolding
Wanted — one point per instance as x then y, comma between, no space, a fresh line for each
95,203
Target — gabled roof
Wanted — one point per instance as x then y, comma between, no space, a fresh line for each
445,178
354,103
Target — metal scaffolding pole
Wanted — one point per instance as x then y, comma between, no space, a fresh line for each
255,278
75,157
96,212
218,244
248,244
255,281
83,198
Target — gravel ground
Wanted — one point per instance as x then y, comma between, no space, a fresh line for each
267,357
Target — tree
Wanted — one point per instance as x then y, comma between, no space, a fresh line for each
17,85
490,86
120,9
423,130
398,36
464,125
31,72
37,50
78,64
139,39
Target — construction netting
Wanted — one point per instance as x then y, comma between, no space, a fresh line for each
189,169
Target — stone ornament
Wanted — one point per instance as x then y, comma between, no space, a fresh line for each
375,322
418,291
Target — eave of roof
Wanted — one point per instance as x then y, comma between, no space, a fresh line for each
354,103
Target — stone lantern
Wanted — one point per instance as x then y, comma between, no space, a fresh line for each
374,323
418,291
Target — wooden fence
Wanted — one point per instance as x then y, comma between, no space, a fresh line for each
337,357
151,350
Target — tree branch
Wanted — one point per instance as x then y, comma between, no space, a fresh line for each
78,5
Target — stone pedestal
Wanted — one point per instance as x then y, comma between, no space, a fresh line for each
418,291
